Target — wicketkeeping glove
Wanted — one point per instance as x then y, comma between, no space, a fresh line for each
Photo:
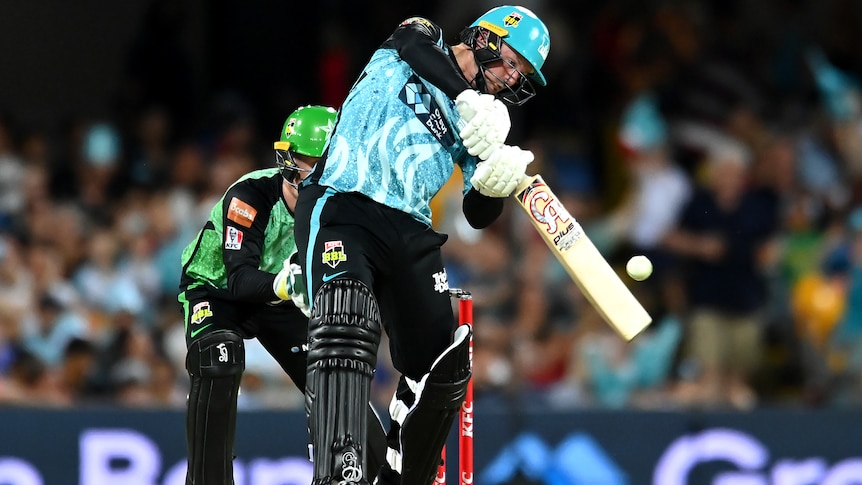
500,175
486,122
289,285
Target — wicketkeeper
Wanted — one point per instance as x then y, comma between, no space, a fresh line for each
238,282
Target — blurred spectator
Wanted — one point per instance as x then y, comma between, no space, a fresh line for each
820,172
494,373
99,171
818,302
50,275
840,94
165,386
549,319
36,182
659,188
46,332
486,267
100,280
636,375
140,234
130,360
8,347
12,173
31,382
16,281
833,323
77,372
66,228
722,233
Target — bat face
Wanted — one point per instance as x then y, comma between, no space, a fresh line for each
584,263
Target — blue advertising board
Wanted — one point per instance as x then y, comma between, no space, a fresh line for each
768,447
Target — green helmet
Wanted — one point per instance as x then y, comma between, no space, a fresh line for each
306,132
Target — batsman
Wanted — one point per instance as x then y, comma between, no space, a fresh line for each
239,282
369,255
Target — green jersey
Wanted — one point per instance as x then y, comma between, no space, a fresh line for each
244,243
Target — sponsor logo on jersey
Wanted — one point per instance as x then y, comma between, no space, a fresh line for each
329,277
513,19
232,238
194,333
333,253
426,109
201,312
441,281
241,213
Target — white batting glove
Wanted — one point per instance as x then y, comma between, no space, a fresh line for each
486,122
289,285
500,175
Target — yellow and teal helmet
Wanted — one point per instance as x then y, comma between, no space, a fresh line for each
306,132
524,32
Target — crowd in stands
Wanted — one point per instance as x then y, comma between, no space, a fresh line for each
721,139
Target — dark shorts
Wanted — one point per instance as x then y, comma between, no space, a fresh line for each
347,235
281,329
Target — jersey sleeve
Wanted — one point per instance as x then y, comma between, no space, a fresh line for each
419,42
245,214
479,210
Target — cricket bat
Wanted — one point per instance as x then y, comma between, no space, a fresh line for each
585,264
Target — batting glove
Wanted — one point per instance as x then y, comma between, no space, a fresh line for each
289,285
500,175
486,122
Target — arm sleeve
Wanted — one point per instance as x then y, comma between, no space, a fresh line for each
245,214
419,42
480,210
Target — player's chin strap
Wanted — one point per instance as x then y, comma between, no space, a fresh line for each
513,95
422,414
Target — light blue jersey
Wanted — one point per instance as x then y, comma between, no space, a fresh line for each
398,150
